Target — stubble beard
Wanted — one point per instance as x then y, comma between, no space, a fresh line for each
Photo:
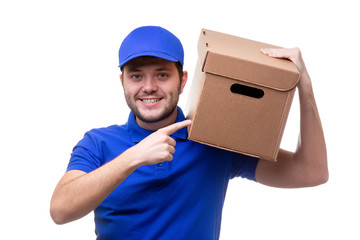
164,114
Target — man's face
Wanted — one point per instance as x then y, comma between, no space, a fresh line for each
152,87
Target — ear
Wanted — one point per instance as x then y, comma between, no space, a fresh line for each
122,79
184,80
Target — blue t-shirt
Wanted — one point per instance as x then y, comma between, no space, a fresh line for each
181,199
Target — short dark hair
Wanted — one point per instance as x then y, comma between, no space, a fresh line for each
179,67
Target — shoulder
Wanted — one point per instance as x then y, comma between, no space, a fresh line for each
100,145
99,136
107,131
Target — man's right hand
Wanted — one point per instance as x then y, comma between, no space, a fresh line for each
158,146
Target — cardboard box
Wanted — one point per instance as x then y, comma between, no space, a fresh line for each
240,98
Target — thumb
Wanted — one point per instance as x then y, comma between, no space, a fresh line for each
174,127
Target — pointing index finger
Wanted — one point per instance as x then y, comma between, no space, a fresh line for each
176,126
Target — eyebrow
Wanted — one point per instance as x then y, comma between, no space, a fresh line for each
163,69
137,69
133,69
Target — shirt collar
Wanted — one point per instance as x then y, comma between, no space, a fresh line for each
138,133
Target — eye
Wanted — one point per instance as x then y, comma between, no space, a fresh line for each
162,75
135,77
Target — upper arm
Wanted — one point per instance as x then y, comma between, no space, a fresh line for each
284,173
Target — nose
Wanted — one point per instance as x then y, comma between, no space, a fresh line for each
150,85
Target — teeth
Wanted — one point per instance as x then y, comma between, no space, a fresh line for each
150,101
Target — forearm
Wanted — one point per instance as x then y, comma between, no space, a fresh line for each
79,193
311,155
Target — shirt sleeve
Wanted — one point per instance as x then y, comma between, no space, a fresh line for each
244,166
85,155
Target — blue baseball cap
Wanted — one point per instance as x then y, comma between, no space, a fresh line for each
151,41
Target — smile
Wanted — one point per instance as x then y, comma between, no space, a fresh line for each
150,101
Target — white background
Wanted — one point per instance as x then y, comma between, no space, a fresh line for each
59,78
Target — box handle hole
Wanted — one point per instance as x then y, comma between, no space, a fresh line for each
246,90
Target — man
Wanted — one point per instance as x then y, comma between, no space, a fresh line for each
140,185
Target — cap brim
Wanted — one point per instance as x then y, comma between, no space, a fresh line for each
149,54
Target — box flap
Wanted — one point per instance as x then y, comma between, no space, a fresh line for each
241,59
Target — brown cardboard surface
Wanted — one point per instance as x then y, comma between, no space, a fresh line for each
232,121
